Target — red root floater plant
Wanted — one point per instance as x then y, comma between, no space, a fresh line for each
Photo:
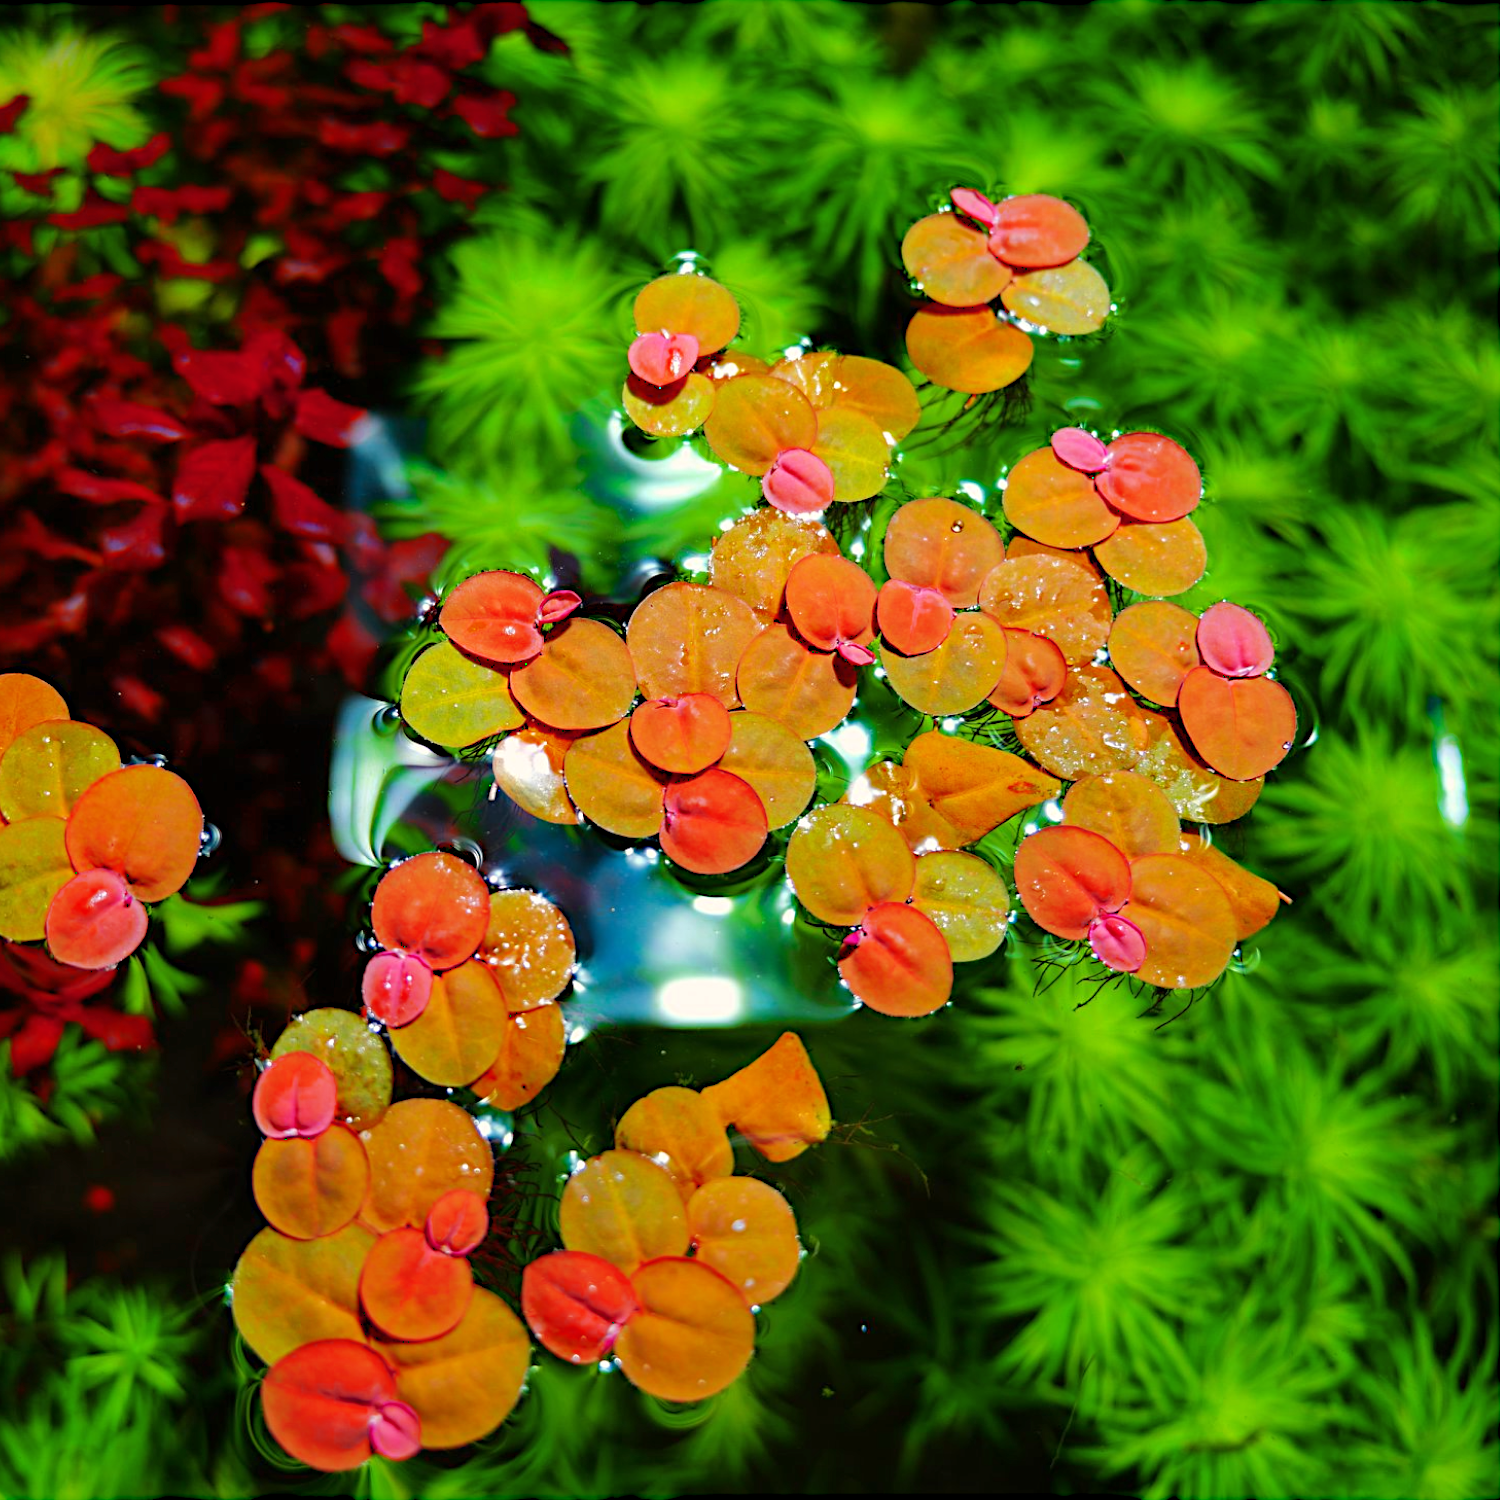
86,845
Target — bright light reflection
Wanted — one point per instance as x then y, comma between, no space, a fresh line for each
701,1000
1454,802
713,906
852,742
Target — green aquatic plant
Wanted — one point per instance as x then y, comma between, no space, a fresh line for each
1356,45
1331,1166
89,1085
1401,615
81,88
780,299
1249,1408
1443,388
1198,246
523,319
1104,1273
1430,1424
1361,834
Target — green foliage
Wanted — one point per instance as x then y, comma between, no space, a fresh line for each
88,1085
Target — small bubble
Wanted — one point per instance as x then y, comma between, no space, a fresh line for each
366,942
388,720
208,840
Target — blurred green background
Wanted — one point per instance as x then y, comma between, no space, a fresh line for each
1249,1251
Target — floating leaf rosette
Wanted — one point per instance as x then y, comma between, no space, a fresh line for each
1024,252
667,1253
86,843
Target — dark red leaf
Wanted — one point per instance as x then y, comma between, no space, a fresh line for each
309,588
29,533
487,115
455,189
245,579
281,360
354,208
381,138
36,182
223,378
101,284
325,420
168,260
128,419
456,46
221,50
33,1045
136,546
295,508
379,76
203,95
398,264
11,111
366,39
118,1032
421,83
213,479
95,212
111,163
188,647
169,204
100,490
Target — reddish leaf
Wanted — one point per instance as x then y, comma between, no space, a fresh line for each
1035,229
494,616
487,115
682,735
1233,642
897,961
576,1304
295,1096
127,419
457,1223
1242,726
1066,877
1150,478
434,905
712,823
111,163
321,1399
912,618
325,420
295,508
95,212
98,490
213,479
411,1291
94,922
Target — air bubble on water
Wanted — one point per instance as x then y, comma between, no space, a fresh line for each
465,849
366,941
388,719
155,760
208,840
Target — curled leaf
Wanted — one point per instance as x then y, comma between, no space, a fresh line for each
1233,642
396,987
94,922
296,1095
1079,449
975,788
831,600
1117,943
776,1102
913,619
457,1223
799,483
662,358
1035,673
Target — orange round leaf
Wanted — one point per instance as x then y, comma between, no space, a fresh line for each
141,822
1242,726
754,418
582,679
746,1231
1150,478
1068,300
897,962
692,1336
755,557
689,638
967,348
831,600
528,768
1036,229
808,691
777,765
34,867
1186,919
494,616
1199,794
1054,504
307,1187
1152,648
49,767
668,410
1155,559
434,905
1053,597
624,1208
449,700
950,258
1253,900
776,1102
464,1384
288,1292
318,1401
967,901
1128,809
855,450
529,948
975,788
613,784
712,823
531,1052
576,1304
680,1131
411,1291
956,675
26,700
356,1057
419,1150
853,383
688,304
940,544
912,618
458,1033
842,860
1066,877
1092,726
681,735
1035,673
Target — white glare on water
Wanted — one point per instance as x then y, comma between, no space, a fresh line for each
701,1000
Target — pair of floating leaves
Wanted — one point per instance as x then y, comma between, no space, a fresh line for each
1128,500
682,322
667,1253
1024,251
84,842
